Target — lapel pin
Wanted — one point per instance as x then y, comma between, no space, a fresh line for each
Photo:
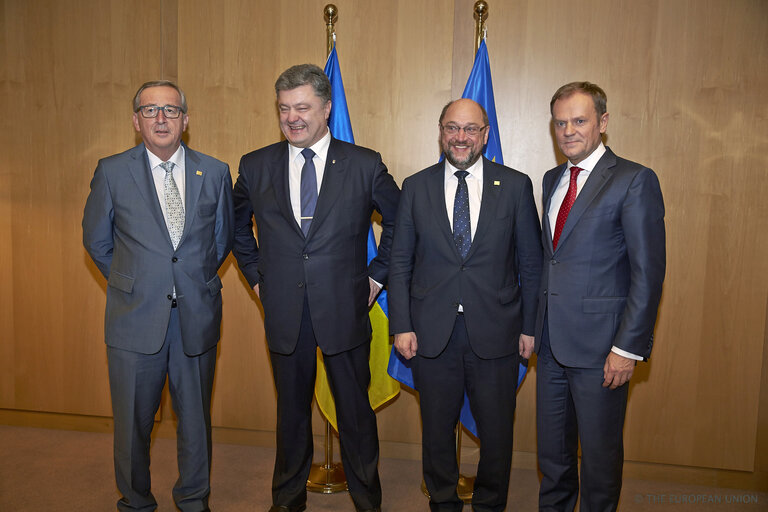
496,182
199,173
333,161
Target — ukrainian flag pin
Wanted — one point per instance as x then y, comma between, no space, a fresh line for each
199,173
495,182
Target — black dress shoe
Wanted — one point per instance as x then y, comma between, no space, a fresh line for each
283,508
369,510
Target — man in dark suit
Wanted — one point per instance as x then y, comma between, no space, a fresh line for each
158,225
464,276
311,198
604,263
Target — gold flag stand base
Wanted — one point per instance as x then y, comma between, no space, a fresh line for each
327,478
466,484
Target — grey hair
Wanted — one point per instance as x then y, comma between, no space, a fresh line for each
159,83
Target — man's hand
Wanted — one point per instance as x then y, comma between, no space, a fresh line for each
617,370
256,289
375,289
526,346
406,344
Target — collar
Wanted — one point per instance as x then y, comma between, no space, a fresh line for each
589,163
177,158
320,148
476,170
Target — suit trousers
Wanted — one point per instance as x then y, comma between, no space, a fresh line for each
571,406
491,386
136,383
348,376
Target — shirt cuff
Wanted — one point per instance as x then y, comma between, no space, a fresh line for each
377,283
617,350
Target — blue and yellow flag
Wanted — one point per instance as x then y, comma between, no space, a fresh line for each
382,388
480,89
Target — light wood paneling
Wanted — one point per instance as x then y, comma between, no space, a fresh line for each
70,72
685,82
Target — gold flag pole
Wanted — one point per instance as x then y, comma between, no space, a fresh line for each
466,484
328,477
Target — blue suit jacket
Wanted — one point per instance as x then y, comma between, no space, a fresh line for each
329,265
497,283
126,236
602,285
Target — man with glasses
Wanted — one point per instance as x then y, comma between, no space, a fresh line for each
464,273
158,225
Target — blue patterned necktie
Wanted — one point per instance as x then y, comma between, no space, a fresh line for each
462,229
174,208
308,189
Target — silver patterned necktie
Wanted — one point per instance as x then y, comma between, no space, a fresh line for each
174,208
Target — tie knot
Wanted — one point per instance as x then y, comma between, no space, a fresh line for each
461,175
575,172
308,154
167,166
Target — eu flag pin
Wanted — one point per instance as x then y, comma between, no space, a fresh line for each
199,173
495,182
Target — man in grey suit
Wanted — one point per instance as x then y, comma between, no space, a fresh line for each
465,269
158,225
604,263
311,198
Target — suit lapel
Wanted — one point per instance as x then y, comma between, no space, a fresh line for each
492,185
548,189
592,187
336,167
279,170
193,184
436,196
142,176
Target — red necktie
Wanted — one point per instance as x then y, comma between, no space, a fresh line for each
565,208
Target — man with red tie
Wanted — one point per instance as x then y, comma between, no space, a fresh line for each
604,263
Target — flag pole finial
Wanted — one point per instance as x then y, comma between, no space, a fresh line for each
481,14
331,13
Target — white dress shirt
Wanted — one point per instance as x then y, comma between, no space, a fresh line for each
158,175
475,189
296,162
474,186
588,164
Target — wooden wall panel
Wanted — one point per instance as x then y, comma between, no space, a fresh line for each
230,55
70,71
685,82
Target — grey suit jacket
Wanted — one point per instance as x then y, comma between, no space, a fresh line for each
602,286
497,283
126,236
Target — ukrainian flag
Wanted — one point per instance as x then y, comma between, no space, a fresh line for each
382,388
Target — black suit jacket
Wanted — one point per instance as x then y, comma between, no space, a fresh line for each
498,281
602,285
330,264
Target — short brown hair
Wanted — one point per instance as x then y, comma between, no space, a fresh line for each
305,74
598,95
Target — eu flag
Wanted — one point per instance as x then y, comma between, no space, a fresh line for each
480,89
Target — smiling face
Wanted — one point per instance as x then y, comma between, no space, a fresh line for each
161,135
303,115
463,150
577,128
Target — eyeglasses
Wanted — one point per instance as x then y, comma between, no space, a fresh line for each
471,130
169,111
